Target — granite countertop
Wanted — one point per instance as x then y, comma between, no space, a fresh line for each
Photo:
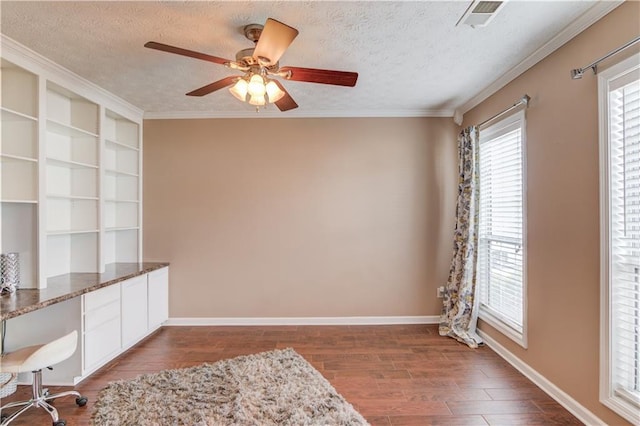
68,286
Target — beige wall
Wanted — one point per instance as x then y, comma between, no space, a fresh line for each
309,218
563,220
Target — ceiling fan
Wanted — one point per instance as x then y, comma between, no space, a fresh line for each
260,64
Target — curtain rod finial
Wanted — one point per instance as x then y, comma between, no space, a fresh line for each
525,100
577,73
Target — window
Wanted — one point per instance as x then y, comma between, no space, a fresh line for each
501,242
619,97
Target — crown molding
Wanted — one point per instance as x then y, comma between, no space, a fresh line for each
34,62
585,20
169,115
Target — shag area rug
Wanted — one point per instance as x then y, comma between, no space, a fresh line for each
271,388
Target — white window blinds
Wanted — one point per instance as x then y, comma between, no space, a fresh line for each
619,99
624,234
500,238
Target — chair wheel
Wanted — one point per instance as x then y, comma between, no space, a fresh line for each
60,423
81,401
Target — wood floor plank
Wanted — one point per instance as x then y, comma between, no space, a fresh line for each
493,407
447,395
508,382
402,408
438,420
421,384
522,393
356,365
393,375
530,419
379,421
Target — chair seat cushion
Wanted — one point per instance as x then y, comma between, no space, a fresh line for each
37,357
14,362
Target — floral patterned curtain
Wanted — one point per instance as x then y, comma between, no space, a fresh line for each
460,307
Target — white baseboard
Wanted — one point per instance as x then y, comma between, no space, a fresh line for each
429,319
564,399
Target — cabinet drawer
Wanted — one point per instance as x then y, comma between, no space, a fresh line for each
98,316
101,297
101,342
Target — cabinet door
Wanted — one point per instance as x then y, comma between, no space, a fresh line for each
158,297
101,326
101,343
134,310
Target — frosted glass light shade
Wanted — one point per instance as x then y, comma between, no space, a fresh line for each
257,100
239,90
274,92
256,86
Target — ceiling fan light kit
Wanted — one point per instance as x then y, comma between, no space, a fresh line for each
256,90
259,64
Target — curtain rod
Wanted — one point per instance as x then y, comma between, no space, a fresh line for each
523,100
577,73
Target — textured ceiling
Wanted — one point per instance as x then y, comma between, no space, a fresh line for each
411,57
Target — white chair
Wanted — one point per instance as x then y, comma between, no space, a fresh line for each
34,359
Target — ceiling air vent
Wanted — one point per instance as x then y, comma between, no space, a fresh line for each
480,13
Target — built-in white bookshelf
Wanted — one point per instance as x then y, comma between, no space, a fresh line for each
19,168
72,173
70,169
121,191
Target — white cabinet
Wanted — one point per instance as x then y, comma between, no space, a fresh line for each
101,326
134,310
158,297
144,304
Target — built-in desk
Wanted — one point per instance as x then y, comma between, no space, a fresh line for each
68,286
112,311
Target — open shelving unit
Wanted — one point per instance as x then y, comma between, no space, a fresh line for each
122,165
19,168
70,172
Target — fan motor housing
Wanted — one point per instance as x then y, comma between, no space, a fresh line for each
246,56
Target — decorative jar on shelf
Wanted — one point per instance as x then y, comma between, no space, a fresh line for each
9,272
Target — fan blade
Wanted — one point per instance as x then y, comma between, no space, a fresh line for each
286,102
216,85
185,52
273,41
313,75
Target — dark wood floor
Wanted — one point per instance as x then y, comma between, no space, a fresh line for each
393,375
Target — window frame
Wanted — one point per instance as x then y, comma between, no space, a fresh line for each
493,128
608,395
